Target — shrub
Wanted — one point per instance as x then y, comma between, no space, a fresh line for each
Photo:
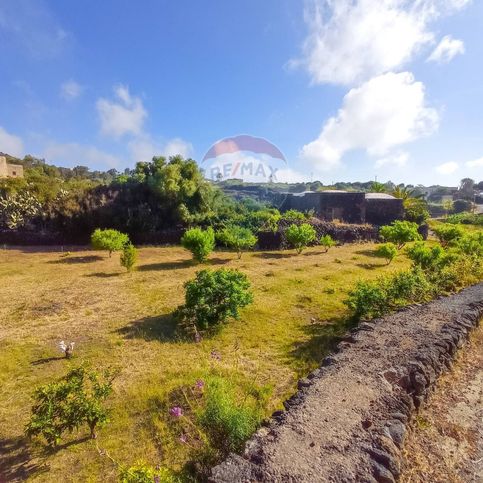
214,296
426,257
407,286
143,473
237,238
299,236
327,242
110,240
200,243
368,299
387,251
65,405
448,235
227,423
471,244
416,210
400,232
129,256
465,218
294,215
460,206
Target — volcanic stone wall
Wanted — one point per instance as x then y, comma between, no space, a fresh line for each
348,421
381,211
348,207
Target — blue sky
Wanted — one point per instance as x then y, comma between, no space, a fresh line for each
347,89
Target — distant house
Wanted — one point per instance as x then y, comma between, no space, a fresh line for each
350,207
8,170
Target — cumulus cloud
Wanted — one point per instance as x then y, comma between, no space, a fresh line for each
76,154
350,41
399,160
475,163
385,112
446,50
11,144
70,90
178,146
143,148
125,115
447,168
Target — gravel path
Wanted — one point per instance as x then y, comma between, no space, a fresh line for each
349,419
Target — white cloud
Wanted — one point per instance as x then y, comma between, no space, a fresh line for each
11,144
143,148
178,146
74,154
70,90
399,160
446,50
350,41
447,168
475,163
385,112
124,116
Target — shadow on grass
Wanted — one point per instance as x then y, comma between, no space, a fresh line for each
165,266
367,253
16,462
46,360
323,339
370,266
73,260
319,252
161,328
103,275
269,255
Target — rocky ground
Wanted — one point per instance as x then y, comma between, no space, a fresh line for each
349,420
445,443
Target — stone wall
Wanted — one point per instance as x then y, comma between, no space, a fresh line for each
347,422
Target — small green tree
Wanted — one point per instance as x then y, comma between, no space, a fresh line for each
327,242
129,256
237,238
387,251
66,405
427,257
299,236
110,240
214,296
449,234
199,242
447,207
400,233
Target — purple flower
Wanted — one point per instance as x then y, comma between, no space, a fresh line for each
157,479
200,384
183,439
176,412
215,355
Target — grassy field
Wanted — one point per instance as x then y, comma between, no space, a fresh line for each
124,320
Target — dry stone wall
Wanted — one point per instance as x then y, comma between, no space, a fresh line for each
347,422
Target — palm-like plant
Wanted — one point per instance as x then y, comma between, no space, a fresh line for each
405,193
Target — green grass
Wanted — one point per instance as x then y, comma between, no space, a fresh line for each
124,320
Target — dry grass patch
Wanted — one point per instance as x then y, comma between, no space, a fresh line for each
124,320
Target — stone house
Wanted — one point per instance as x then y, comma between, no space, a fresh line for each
349,207
8,170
